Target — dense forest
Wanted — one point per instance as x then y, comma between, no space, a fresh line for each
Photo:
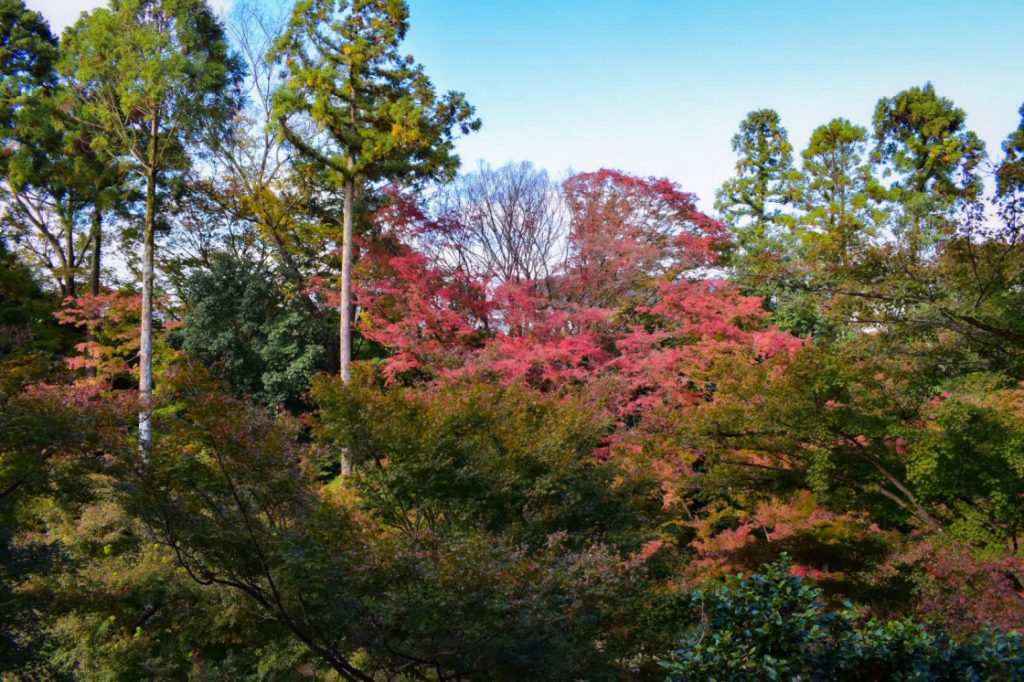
286,393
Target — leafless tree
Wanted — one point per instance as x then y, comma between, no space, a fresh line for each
247,198
509,223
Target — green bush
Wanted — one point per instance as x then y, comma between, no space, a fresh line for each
266,345
774,626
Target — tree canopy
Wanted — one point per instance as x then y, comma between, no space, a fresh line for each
573,427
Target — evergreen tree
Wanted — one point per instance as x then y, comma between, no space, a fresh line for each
39,188
1010,174
922,141
375,115
28,53
237,316
151,78
753,202
757,206
837,190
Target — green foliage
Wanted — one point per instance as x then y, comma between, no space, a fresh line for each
508,477
26,313
972,459
45,187
868,430
145,73
1010,174
48,439
379,112
144,84
426,582
837,191
753,202
236,316
28,58
122,609
501,458
774,626
757,204
770,625
924,141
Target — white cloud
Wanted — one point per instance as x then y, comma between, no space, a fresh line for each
63,13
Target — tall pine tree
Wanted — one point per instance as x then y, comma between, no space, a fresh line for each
151,78
923,143
836,191
757,204
754,202
374,114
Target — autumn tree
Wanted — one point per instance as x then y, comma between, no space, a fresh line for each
151,77
375,114
628,232
635,315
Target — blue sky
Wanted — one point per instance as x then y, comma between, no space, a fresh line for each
658,87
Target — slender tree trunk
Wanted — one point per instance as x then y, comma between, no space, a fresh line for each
69,258
146,326
345,304
94,271
97,250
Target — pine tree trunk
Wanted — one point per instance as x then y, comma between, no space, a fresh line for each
146,326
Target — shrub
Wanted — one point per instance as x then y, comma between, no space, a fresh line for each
774,626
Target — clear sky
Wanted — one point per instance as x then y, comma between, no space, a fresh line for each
658,87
